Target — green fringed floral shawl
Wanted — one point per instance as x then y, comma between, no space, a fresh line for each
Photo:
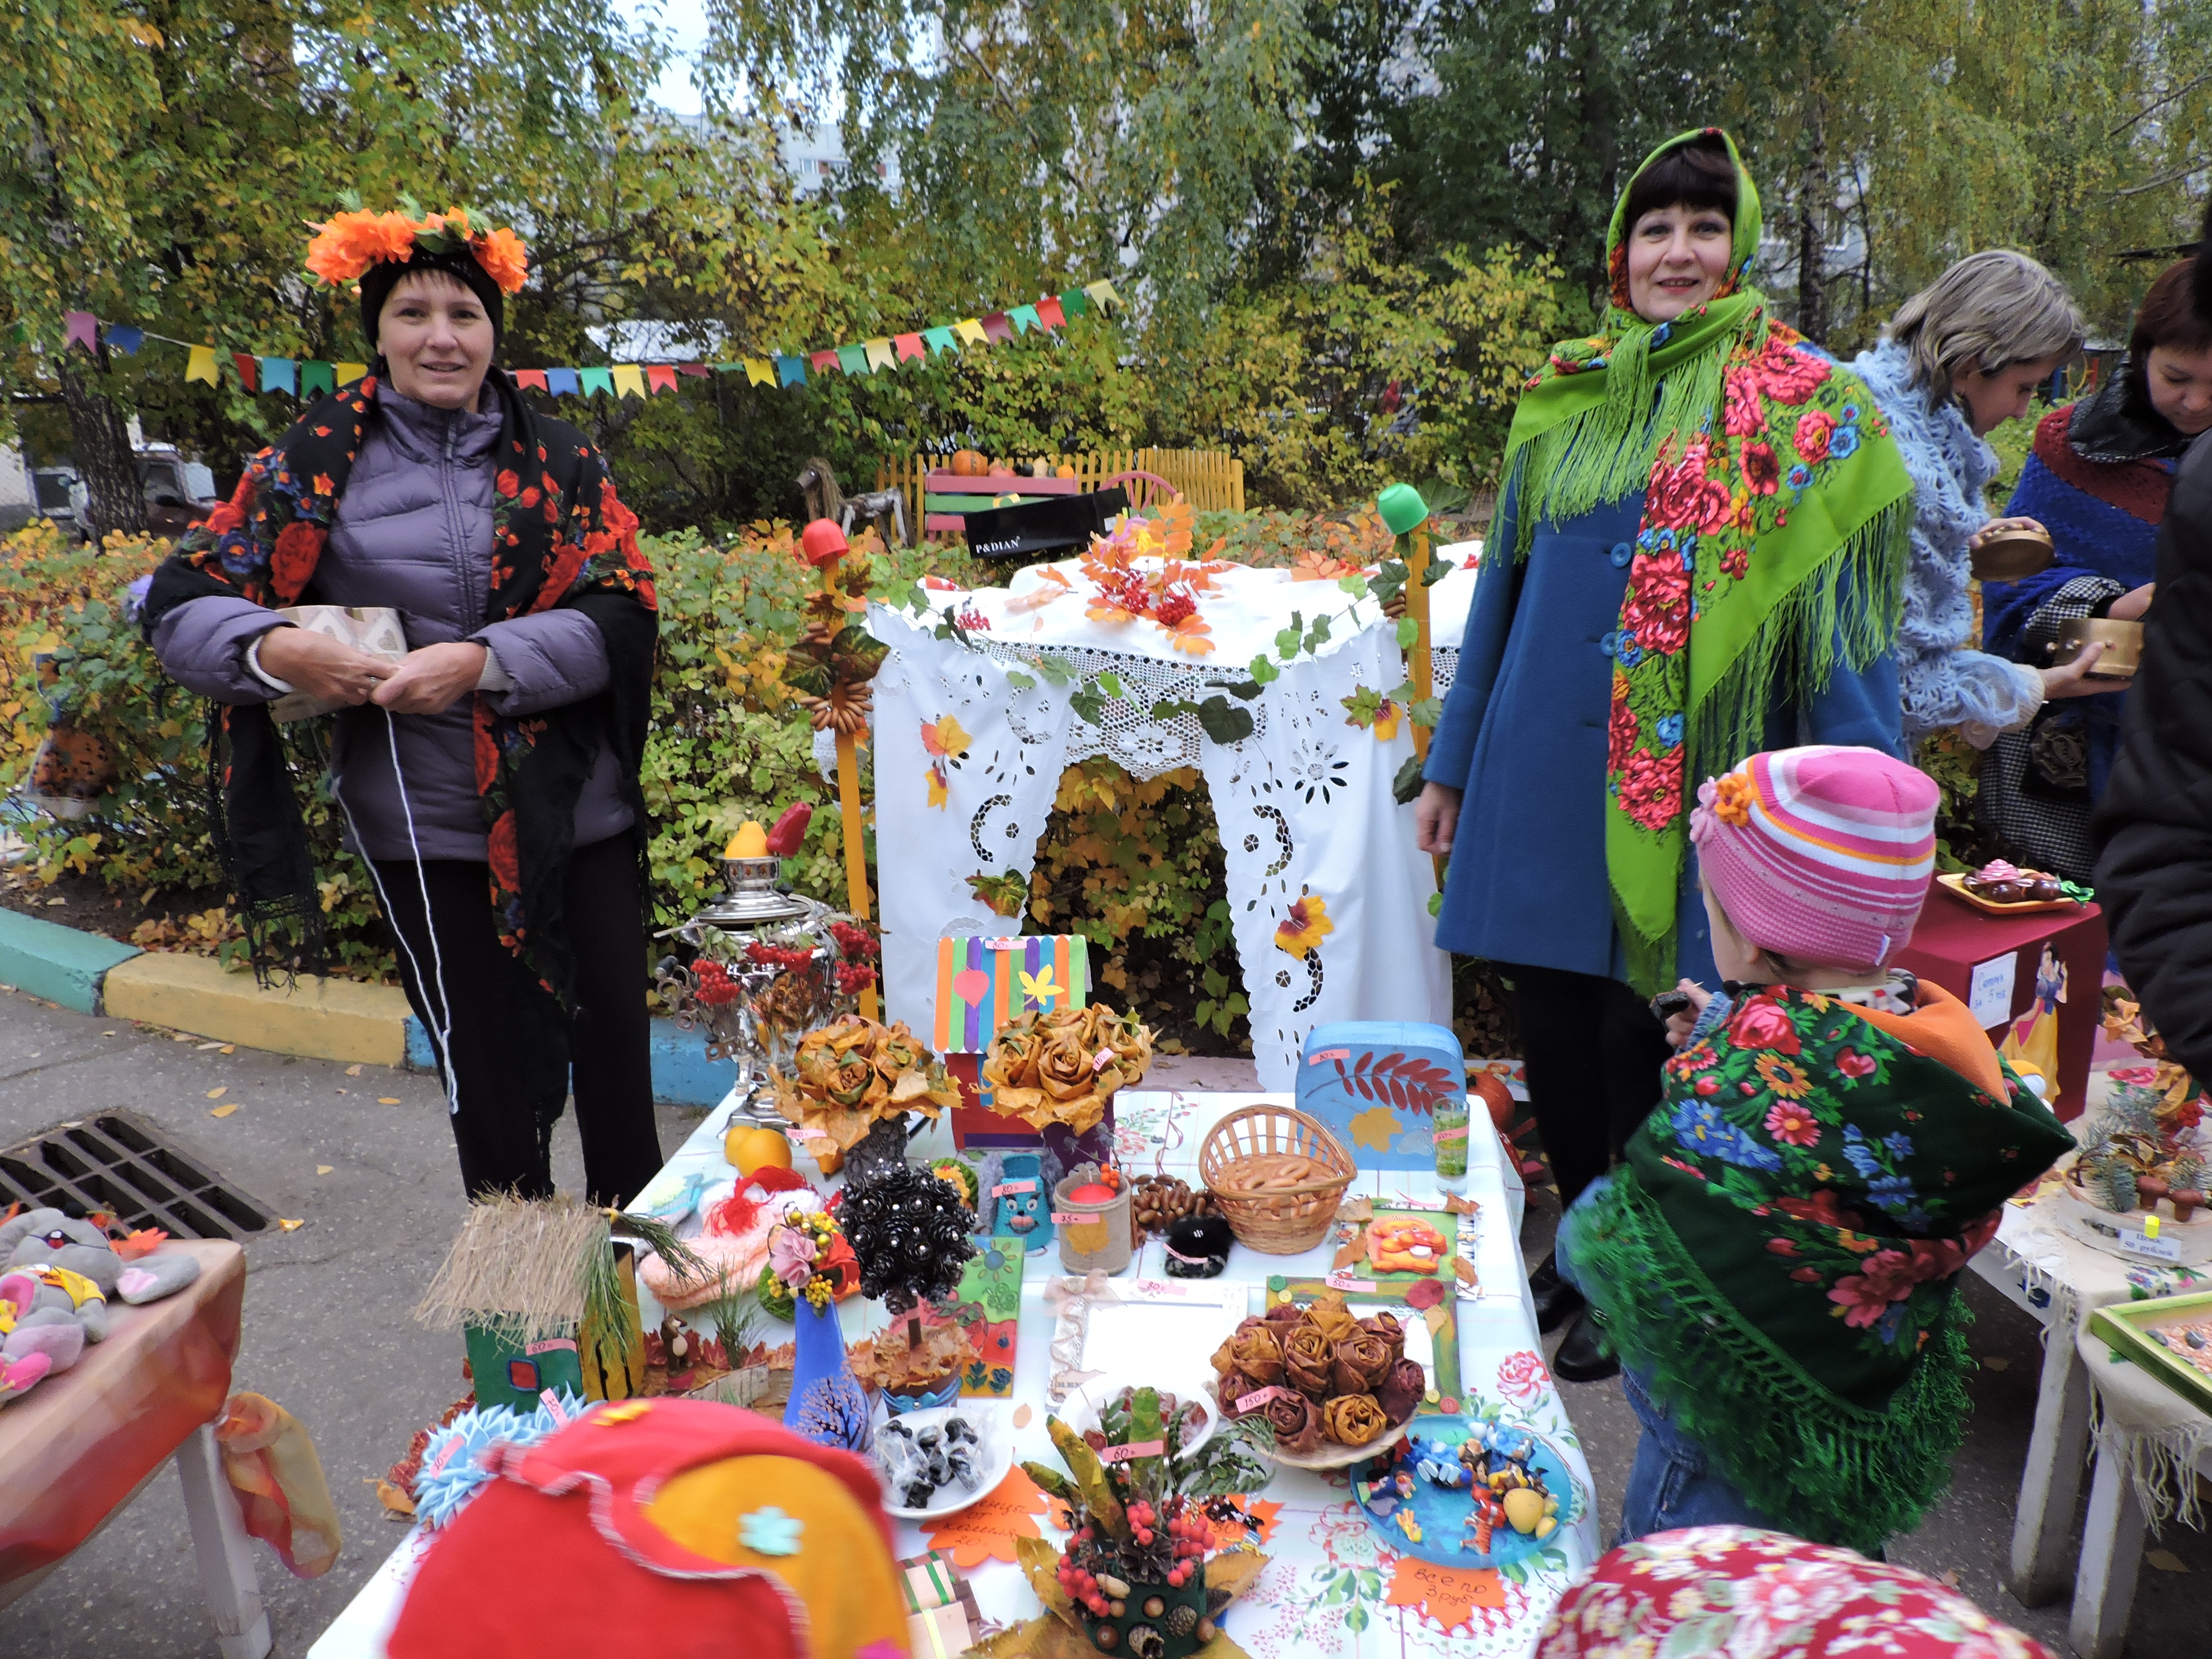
1780,1251
1773,542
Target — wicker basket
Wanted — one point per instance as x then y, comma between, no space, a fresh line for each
1283,1221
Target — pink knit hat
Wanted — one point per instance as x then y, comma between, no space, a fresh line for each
1822,854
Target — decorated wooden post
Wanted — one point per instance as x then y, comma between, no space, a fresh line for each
824,545
1407,516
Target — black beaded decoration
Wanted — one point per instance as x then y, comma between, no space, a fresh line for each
910,1233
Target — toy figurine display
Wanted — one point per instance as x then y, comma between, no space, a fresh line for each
1465,1491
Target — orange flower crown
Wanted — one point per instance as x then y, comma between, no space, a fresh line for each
348,244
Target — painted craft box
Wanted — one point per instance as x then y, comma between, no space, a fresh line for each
1378,1084
985,981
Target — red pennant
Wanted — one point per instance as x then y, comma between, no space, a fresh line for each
249,369
907,345
998,327
700,369
531,377
1049,313
659,377
79,328
823,361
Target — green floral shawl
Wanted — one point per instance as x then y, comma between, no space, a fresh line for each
1780,1249
1773,541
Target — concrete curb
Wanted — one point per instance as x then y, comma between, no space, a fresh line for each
62,965
315,1018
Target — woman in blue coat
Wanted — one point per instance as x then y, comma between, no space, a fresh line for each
1697,555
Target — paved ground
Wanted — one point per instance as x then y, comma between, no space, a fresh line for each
328,1335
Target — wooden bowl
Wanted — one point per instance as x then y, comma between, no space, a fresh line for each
2011,555
2122,642
1287,1220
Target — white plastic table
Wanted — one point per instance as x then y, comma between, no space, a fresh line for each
1320,1544
2059,1282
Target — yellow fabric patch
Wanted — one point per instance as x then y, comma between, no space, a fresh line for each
75,1286
843,1573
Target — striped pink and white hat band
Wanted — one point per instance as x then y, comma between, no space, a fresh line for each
1822,853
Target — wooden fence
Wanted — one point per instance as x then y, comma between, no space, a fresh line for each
1209,479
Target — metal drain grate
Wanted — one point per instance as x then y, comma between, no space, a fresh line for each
118,1162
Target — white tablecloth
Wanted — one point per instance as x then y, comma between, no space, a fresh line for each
1323,1591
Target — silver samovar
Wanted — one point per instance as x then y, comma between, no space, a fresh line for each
762,973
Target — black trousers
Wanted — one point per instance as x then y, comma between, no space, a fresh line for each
1594,1050
513,1055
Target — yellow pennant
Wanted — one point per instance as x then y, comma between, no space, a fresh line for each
759,372
629,381
970,329
202,366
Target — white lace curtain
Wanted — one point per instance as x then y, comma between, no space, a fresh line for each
1303,806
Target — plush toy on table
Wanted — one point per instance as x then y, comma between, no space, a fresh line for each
1405,1244
59,1276
1021,1211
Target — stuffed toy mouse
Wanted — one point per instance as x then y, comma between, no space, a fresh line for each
1198,1247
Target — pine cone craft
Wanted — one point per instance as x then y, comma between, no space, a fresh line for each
1064,1066
852,1073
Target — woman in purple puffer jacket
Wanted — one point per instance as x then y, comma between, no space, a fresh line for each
490,777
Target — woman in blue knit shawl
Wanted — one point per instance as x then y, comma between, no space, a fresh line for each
2097,480
1959,358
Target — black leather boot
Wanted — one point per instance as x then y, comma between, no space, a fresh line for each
1578,1358
1556,1300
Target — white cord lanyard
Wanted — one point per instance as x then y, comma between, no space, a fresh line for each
444,1029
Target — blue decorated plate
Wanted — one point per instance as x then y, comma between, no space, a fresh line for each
1440,1514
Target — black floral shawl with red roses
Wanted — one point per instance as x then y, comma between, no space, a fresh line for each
560,538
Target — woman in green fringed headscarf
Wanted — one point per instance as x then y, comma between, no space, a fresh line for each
1697,555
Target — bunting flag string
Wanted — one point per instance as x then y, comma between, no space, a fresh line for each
308,377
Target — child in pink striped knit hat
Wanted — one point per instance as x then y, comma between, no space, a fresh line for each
1774,1261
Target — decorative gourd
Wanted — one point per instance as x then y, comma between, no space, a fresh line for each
967,463
1001,470
1065,470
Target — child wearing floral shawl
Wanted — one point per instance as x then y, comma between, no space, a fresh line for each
1775,1261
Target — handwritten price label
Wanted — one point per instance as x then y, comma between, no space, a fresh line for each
1459,1134
1159,1287
1259,1397
1130,1453
1009,1188
1323,1056
1341,1280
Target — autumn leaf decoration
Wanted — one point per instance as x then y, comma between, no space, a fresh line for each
946,743
1406,1081
1304,926
1005,894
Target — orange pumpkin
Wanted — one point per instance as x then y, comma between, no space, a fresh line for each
1065,470
1001,470
967,464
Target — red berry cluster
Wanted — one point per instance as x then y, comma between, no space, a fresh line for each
1172,606
787,956
854,978
973,620
854,943
1125,589
715,986
1078,1581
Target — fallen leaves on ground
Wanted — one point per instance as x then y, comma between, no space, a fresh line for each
224,1111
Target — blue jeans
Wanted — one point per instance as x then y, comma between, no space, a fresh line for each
1673,1483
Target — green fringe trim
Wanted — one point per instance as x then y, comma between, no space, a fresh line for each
1605,451
1831,1471
1796,643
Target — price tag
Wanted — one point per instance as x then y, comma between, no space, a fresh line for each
1321,1056
1131,1453
1005,1188
550,1345
1341,1279
1459,1134
1259,1397
1159,1287
2159,1250
1076,1217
